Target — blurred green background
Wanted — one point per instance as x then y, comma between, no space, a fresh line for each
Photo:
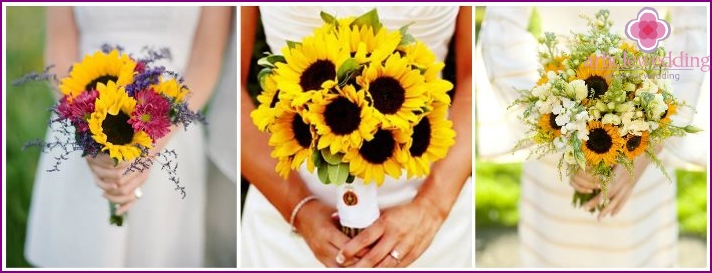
497,190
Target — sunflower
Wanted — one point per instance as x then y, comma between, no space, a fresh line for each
397,91
547,123
420,56
555,65
671,110
428,142
292,139
342,120
171,89
635,145
95,69
310,66
366,45
603,144
109,124
375,158
629,48
268,109
597,73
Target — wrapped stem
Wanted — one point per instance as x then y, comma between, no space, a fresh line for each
357,205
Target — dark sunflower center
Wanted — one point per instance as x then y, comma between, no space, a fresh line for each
117,129
599,141
275,100
316,74
598,84
552,122
421,138
379,149
342,116
301,132
633,143
388,95
103,79
665,113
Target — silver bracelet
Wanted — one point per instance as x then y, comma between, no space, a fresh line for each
296,210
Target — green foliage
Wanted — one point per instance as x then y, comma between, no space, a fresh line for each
27,116
497,192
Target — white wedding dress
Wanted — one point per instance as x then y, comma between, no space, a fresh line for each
68,224
552,233
266,236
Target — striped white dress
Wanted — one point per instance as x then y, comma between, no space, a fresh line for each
552,233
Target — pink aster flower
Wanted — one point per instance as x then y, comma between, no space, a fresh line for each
79,110
151,114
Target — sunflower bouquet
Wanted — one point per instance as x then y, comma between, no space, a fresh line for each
594,108
355,102
114,104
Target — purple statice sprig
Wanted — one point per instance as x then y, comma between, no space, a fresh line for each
167,159
145,79
45,75
181,114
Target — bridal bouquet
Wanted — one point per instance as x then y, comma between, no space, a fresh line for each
355,102
114,104
598,108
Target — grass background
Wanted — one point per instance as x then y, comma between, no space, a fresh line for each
497,185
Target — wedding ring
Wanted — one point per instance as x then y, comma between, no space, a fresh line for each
396,255
138,193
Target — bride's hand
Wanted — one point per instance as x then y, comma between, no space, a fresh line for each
321,232
399,236
619,189
119,185
583,182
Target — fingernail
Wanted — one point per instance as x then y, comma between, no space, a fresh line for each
340,258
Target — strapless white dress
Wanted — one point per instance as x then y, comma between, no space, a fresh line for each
68,224
553,233
266,240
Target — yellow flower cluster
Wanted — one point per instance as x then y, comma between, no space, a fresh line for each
355,100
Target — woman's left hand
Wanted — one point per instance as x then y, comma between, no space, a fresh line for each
399,236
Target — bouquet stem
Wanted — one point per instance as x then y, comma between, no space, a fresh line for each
114,219
357,205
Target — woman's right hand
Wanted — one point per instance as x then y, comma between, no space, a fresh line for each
583,182
314,222
118,184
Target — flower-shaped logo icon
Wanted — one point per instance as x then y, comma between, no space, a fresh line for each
648,29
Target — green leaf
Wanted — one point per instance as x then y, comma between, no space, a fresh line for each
316,158
323,174
692,129
328,18
349,66
262,75
406,38
350,179
332,159
292,44
338,173
369,19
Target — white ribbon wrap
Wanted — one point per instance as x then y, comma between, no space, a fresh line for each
365,211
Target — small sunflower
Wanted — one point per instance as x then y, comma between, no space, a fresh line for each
268,109
629,48
397,91
428,142
310,67
420,56
342,120
547,123
95,69
671,110
109,124
172,89
597,73
375,158
292,139
603,144
555,65
366,45
635,145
